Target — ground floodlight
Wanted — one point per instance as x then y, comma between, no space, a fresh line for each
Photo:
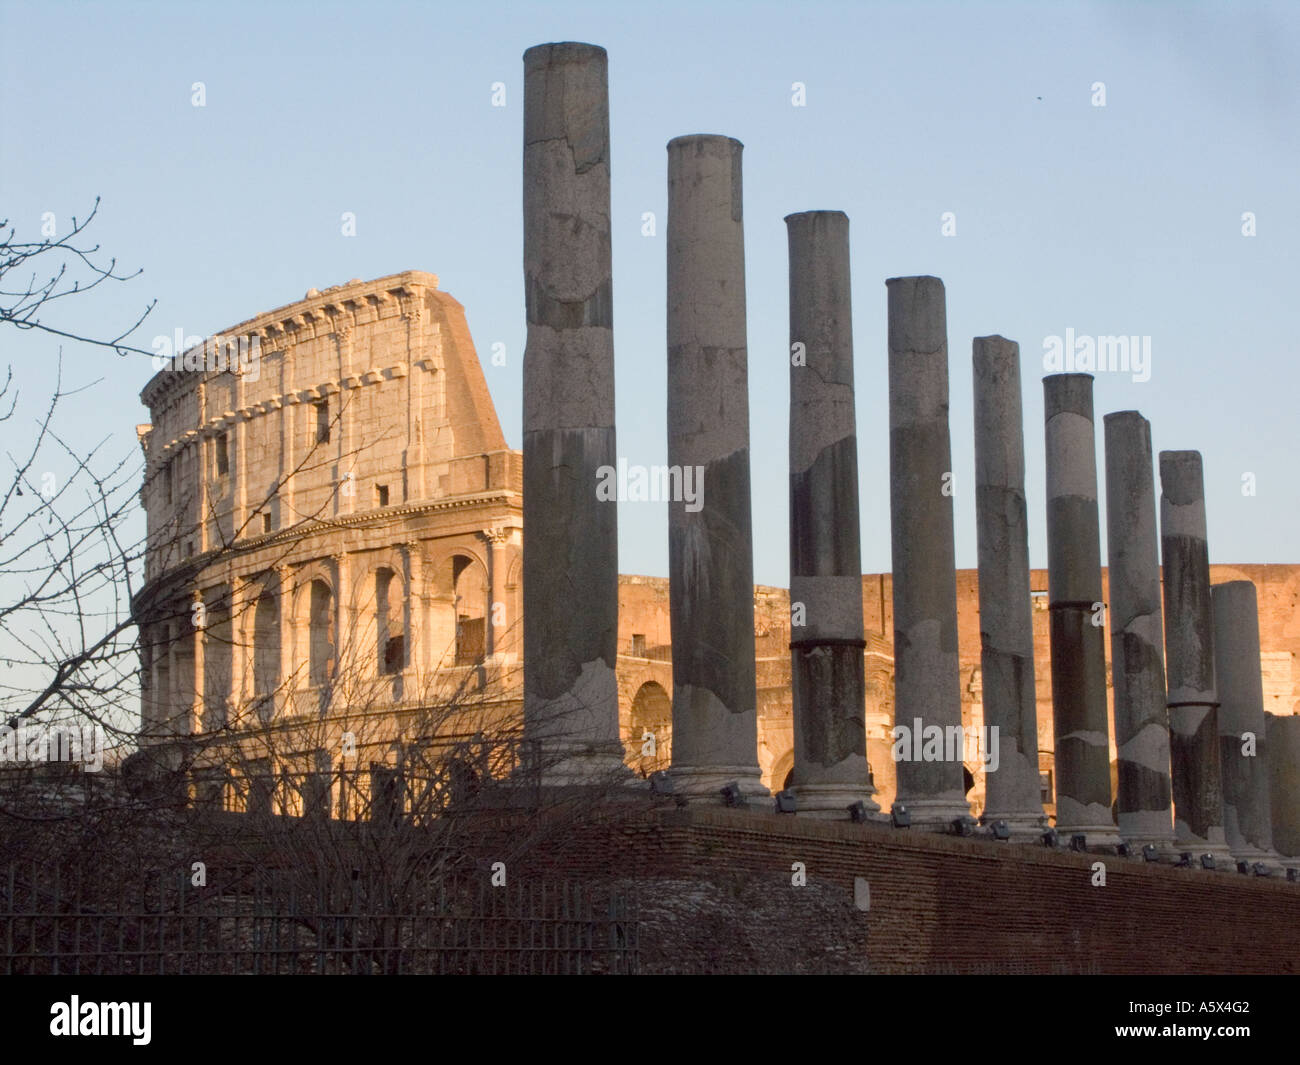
963,826
858,812
1001,830
1150,854
733,796
1049,838
900,815
1079,842
1243,868
1184,860
1207,861
1293,876
661,783
1261,869
785,802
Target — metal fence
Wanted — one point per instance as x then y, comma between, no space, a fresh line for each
60,922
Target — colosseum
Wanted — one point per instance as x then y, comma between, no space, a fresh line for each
334,567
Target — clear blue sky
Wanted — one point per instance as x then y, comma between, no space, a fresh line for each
1123,219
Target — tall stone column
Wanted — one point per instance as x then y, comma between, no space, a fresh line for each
1283,742
571,554
1137,641
1243,754
1011,784
1189,658
828,671
1082,725
710,550
195,721
927,681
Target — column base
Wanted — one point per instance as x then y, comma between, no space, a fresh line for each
1223,860
933,815
564,765
1097,836
831,802
704,784
1024,828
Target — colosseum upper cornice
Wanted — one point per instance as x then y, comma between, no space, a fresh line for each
335,310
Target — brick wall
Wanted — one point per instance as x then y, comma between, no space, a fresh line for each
937,903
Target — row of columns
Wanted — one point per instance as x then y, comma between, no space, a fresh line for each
570,586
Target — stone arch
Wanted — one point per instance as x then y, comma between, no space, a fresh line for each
322,635
783,771
471,603
266,647
652,711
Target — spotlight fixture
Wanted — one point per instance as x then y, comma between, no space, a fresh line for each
1049,838
1207,861
1261,869
1184,860
963,826
785,803
1079,843
1293,876
733,796
1150,854
858,812
1122,850
900,815
1001,830
661,783
1243,868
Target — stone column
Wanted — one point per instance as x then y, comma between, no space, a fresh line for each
1189,657
1010,742
495,541
927,681
1283,743
1137,638
1081,722
571,557
710,550
196,722
828,672
1243,758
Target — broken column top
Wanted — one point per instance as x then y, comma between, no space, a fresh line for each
1068,393
1182,494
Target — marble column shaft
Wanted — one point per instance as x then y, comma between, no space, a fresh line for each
828,673
710,548
1189,657
927,679
571,550
1080,717
1011,785
1282,738
1243,755
1137,642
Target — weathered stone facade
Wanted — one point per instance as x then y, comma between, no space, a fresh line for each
360,550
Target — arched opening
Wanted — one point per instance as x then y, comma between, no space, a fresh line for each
390,638
320,633
650,741
469,580
266,651
218,656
